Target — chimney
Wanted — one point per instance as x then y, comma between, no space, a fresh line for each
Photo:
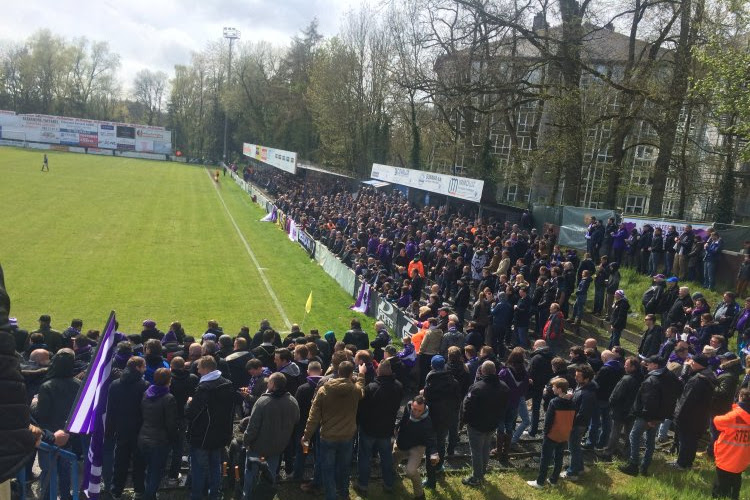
539,22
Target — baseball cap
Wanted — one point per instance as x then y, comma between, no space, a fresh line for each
438,363
657,360
658,277
673,279
391,349
727,356
701,360
149,323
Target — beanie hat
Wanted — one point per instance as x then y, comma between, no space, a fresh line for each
438,363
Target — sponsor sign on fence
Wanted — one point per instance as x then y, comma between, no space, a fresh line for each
463,188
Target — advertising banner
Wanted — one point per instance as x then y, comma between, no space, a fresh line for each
639,222
457,187
107,137
283,160
307,242
145,146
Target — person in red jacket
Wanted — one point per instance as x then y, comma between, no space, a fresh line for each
732,448
553,328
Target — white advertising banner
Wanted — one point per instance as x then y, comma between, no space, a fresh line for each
107,136
639,222
457,187
283,160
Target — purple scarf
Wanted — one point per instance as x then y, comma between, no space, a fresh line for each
156,391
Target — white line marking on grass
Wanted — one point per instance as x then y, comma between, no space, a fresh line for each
252,256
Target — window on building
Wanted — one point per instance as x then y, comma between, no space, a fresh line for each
635,204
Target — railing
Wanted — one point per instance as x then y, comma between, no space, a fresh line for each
55,453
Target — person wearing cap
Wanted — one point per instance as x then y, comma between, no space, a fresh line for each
655,401
727,382
693,409
150,331
732,449
618,318
52,337
443,396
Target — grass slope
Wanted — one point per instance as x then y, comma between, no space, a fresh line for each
150,240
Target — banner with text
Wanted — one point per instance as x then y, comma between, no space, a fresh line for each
457,187
283,160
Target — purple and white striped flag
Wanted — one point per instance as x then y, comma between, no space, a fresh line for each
271,217
363,299
90,408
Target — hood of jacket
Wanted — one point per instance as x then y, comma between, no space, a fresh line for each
291,369
130,376
62,366
545,352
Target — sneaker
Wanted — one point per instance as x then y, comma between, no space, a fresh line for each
629,469
429,484
569,476
471,481
534,484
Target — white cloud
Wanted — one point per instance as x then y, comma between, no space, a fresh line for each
157,34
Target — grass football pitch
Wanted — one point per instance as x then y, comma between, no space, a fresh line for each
151,240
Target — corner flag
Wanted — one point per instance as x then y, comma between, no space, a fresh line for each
308,305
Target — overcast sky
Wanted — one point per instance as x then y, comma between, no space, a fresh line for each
157,34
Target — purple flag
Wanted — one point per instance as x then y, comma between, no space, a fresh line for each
363,299
90,408
271,217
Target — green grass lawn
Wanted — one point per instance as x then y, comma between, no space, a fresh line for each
150,240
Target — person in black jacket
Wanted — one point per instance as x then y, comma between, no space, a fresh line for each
693,410
676,316
521,317
377,419
540,373
620,404
356,336
584,398
443,396
382,339
182,387
606,379
124,420
655,401
265,351
461,302
618,318
415,438
304,397
236,362
483,407
159,430
210,418
652,338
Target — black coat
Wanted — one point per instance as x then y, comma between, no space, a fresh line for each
159,427
236,363
304,396
443,396
622,397
585,400
183,387
693,408
416,433
607,378
619,317
540,369
210,414
124,415
485,403
651,341
57,394
357,338
676,315
379,406
657,395
522,313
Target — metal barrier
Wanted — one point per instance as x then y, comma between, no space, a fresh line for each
55,453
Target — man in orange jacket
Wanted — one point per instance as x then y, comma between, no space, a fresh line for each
732,448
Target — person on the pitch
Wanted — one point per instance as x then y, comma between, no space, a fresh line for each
45,163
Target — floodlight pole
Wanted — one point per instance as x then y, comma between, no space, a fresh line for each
231,34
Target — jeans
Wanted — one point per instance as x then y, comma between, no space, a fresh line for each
574,447
155,460
614,338
654,262
126,451
336,460
441,437
709,274
668,260
46,463
523,412
384,448
536,403
579,306
636,436
299,458
480,444
251,472
508,423
453,438
108,461
618,428
598,299
205,466
601,423
522,336
551,451
177,449
664,429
